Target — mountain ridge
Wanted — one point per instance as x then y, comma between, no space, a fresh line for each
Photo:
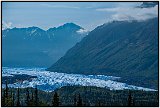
71,23
42,46
119,48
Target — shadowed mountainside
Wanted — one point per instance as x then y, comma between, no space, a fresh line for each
120,48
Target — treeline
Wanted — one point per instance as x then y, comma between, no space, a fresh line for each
77,96
13,97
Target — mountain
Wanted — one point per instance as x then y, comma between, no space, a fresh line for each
148,4
33,46
120,48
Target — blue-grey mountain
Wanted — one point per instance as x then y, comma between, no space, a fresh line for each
33,46
128,49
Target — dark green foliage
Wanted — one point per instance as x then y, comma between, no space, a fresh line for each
27,97
75,101
133,104
18,98
32,96
6,96
6,92
105,97
129,99
13,99
13,79
89,96
119,48
36,96
98,104
3,98
79,103
55,100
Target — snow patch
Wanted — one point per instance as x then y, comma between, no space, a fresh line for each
33,31
6,25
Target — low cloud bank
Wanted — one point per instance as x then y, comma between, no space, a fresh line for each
131,13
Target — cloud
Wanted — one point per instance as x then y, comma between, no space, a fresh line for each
6,25
82,31
60,6
131,13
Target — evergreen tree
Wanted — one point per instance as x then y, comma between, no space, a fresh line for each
3,97
7,89
55,100
79,103
27,97
7,98
75,100
13,99
36,96
32,102
129,99
18,98
32,96
133,103
6,94
10,98
84,101
98,103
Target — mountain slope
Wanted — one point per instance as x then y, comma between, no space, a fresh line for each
120,48
33,46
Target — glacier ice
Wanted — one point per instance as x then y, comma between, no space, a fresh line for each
49,81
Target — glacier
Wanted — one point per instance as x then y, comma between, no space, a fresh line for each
49,81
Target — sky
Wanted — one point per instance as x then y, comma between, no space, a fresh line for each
88,15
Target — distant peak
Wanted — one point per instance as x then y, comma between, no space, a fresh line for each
66,25
71,25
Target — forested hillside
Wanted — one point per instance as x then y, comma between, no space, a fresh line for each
78,96
128,49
